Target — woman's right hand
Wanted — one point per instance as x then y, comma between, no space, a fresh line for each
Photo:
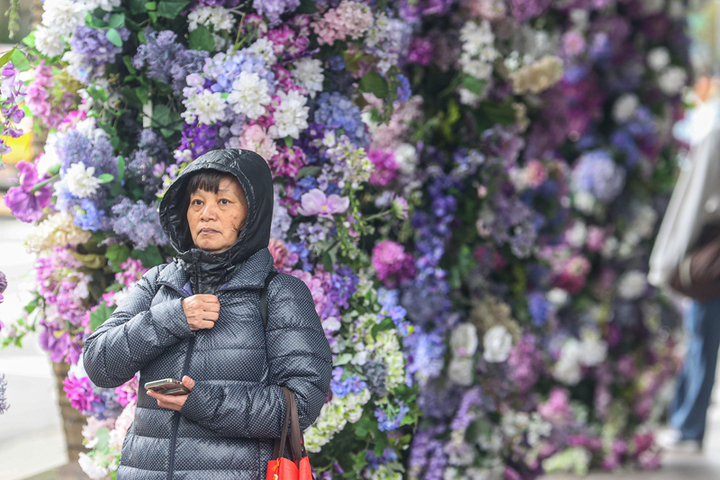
201,311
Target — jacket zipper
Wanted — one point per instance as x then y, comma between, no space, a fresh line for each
176,417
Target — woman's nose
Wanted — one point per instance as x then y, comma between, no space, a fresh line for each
209,212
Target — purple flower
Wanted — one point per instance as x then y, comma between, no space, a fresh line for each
22,202
391,416
272,9
88,216
3,398
351,385
316,203
598,174
336,111
391,263
139,222
81,393
524,10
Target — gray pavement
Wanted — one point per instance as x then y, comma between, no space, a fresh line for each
32,444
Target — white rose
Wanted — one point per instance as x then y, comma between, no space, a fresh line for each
460,371
625,107
92,469
558,297
81,181
584,201
672,80
464,340
632,285
567,369
577,234
406,158
497,344
658,58
593,350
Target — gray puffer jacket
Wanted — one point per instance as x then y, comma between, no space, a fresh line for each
227,426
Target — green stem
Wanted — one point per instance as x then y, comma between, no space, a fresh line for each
40,185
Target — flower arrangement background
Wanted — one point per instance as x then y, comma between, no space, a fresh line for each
130,93
543,160
470,189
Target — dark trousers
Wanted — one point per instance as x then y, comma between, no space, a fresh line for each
688,410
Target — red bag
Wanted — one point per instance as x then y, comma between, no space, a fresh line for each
297,468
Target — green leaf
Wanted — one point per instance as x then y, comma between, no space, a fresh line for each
473,84
100,315
164,117
143,94
201,39
106,178
117,20
289,141
153,16
307,7
343,359
20,60
407,420
166,132
137,7
114,37
121,168
171,8
151,5
373,82
311,170
117,253
6,57
29,40
150,257
103,437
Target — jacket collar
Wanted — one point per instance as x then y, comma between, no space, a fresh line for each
251,274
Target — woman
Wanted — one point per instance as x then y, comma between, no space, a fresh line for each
198,319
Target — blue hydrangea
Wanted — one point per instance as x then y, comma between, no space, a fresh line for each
389,455
351,385
390,418
225,68
303,186
336,112
539,308
88,216
597,173
336,63
403,90
75,147
389,299
138,222
303,254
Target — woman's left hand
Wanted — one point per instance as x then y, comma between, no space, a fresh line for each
173,402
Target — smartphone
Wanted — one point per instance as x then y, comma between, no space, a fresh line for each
167,386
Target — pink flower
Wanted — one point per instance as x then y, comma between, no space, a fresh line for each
349,19
255,138
315,202
127,392
287,162
573,43
421,50
535,173
392,264
557,408
385,169
595,238
80,392
279,252
573,274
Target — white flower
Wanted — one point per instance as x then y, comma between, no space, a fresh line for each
92,469
676,9
593,350
651,7
460,371
469,98
658,58
81,181
672,80
290,116
207,106
567,369
308,73
215,18
558,297
49,42
250,95
610,247
406,158
464,340
577,234
63,16
107,5
475,37
264,48
579,17
624,107
497,344
584,201
632,285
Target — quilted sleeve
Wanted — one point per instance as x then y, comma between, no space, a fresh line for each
299,358
134,335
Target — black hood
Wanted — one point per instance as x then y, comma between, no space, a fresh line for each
209,271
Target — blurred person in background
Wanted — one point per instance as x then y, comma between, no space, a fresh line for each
686,257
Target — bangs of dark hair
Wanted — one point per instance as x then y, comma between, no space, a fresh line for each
207,181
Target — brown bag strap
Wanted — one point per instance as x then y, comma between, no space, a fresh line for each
296,439
279,449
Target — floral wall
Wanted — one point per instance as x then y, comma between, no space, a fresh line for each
469,189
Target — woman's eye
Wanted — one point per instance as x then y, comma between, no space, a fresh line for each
224,201
197,202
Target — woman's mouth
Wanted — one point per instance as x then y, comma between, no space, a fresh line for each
208,231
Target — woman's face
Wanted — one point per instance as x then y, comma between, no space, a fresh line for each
216,219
